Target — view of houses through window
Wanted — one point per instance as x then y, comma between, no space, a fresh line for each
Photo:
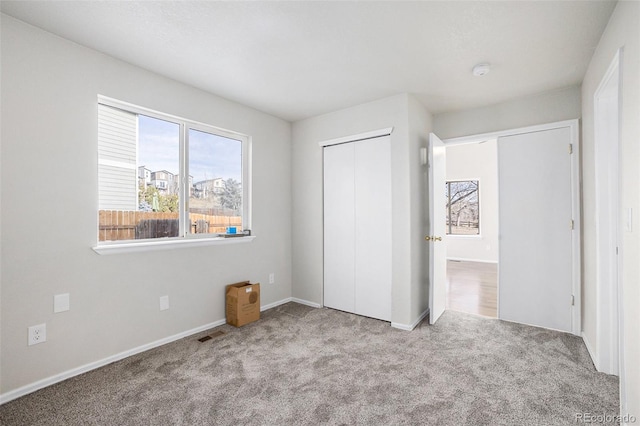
142,187
463,208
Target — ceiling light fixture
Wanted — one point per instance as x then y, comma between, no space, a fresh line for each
481,69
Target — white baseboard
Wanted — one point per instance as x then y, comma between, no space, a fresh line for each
32,387
409,327
274,304
460,259
306,302
592,353
290,299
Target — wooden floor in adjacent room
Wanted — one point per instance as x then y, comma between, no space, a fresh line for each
472,287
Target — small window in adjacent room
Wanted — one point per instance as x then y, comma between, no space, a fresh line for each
463,207
161,176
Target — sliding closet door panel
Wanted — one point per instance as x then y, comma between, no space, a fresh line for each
535,229
339,232
373,228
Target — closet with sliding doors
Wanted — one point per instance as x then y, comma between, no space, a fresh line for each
357,225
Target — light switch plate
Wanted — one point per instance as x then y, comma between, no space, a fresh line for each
61,303
164,303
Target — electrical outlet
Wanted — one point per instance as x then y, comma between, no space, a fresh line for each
37,334
164,303
272,278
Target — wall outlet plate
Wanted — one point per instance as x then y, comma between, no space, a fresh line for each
37,334
272,278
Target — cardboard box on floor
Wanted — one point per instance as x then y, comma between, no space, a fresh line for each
243,303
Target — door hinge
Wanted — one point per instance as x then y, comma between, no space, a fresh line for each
616,250
573,300
570,148
571,224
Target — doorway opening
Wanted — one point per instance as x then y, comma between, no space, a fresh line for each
539,263
472,228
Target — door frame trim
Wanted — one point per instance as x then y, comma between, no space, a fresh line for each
608,356
573,125
357,137
510,132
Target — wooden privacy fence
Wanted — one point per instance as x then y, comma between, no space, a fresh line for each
116,225
214,224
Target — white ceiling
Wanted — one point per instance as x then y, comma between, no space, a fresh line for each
300,59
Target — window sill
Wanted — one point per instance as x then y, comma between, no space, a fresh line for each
464,237
118,248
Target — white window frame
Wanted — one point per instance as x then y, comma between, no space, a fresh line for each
185,237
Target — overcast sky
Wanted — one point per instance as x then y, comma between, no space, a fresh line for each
210,156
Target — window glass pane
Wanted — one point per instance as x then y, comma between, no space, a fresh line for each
138,175
463,208
158,178
215,183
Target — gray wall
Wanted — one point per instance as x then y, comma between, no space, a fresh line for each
411,124
623,30
50,202
548,107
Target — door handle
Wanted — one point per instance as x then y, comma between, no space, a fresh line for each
432,238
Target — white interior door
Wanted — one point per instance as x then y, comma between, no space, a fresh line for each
437,162
373,227
535,211
339,227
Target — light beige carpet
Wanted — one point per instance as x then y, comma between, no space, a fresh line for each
300,365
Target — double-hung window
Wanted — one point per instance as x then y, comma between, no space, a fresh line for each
160,176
